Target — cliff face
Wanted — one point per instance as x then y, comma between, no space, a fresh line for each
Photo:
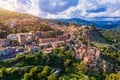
91,33
88,54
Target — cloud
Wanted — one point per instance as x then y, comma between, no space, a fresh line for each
56,6
22,5
16,5
64,8
96,10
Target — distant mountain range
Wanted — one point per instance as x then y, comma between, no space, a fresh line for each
104,24
9,16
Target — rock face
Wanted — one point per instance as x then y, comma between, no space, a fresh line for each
91,33
88,54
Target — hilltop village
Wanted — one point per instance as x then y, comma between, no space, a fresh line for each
33,48
34,41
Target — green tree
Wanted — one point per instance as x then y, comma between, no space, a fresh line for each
20,56
82,67
3,71
67,62
68,53
113,76
40,76
46,68
92,25
51,77
79,37
44,72
26,76
34,70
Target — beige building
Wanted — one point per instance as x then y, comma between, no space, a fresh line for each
48,40
21,39
73,28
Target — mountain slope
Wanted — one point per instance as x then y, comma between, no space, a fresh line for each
22,19
99,24
14,22
9,15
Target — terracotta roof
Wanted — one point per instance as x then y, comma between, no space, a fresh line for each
48,39
1,39
86,60
47,49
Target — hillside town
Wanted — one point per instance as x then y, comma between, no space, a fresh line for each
35,41
28,42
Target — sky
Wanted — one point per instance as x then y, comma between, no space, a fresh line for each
64,8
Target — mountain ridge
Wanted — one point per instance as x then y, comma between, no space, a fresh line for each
99,24
8,17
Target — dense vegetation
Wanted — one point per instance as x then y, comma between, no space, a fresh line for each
33,67
35,27
111,35
60,59
30,73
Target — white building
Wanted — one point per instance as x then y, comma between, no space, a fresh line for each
12,37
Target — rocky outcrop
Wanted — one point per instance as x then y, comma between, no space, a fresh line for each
88,54
92,33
